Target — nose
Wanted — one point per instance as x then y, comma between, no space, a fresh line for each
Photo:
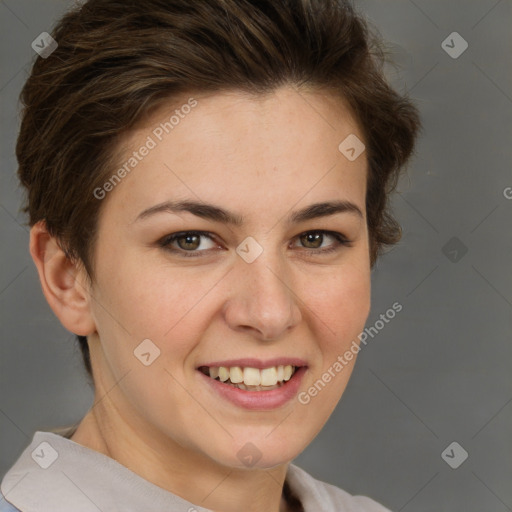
262,300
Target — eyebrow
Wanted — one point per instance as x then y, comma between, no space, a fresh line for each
218,214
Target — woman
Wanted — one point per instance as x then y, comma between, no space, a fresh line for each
207,189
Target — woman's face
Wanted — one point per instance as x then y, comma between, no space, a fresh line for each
267,282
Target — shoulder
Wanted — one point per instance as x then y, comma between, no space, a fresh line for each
39,478
323,497
5,506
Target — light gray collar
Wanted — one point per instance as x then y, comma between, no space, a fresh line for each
54,473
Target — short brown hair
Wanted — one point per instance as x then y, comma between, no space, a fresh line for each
116,60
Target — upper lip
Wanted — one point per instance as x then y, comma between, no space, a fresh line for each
257,363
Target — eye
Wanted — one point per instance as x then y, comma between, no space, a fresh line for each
318,241
197,243
188,242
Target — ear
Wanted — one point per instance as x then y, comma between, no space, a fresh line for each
64,282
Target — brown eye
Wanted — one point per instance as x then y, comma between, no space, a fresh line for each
189,242
312,240
321,242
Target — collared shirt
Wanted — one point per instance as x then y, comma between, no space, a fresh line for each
55,474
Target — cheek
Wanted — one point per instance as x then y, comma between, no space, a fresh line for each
143,300
339,307
140,291
340,302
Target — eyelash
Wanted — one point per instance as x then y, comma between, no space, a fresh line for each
341,241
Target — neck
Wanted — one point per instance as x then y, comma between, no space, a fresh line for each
163,462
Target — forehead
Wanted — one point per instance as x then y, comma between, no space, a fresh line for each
250,150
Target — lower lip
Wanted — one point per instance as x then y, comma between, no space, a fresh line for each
260,400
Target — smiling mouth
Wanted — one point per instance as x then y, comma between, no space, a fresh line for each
251,379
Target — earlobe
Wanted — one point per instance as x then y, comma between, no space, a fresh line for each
63,282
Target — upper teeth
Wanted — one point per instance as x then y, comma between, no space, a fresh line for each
253,376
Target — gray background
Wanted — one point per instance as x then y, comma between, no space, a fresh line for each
440,370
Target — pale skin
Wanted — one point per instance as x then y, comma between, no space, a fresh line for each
261,158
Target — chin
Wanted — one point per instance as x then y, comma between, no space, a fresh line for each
260,453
